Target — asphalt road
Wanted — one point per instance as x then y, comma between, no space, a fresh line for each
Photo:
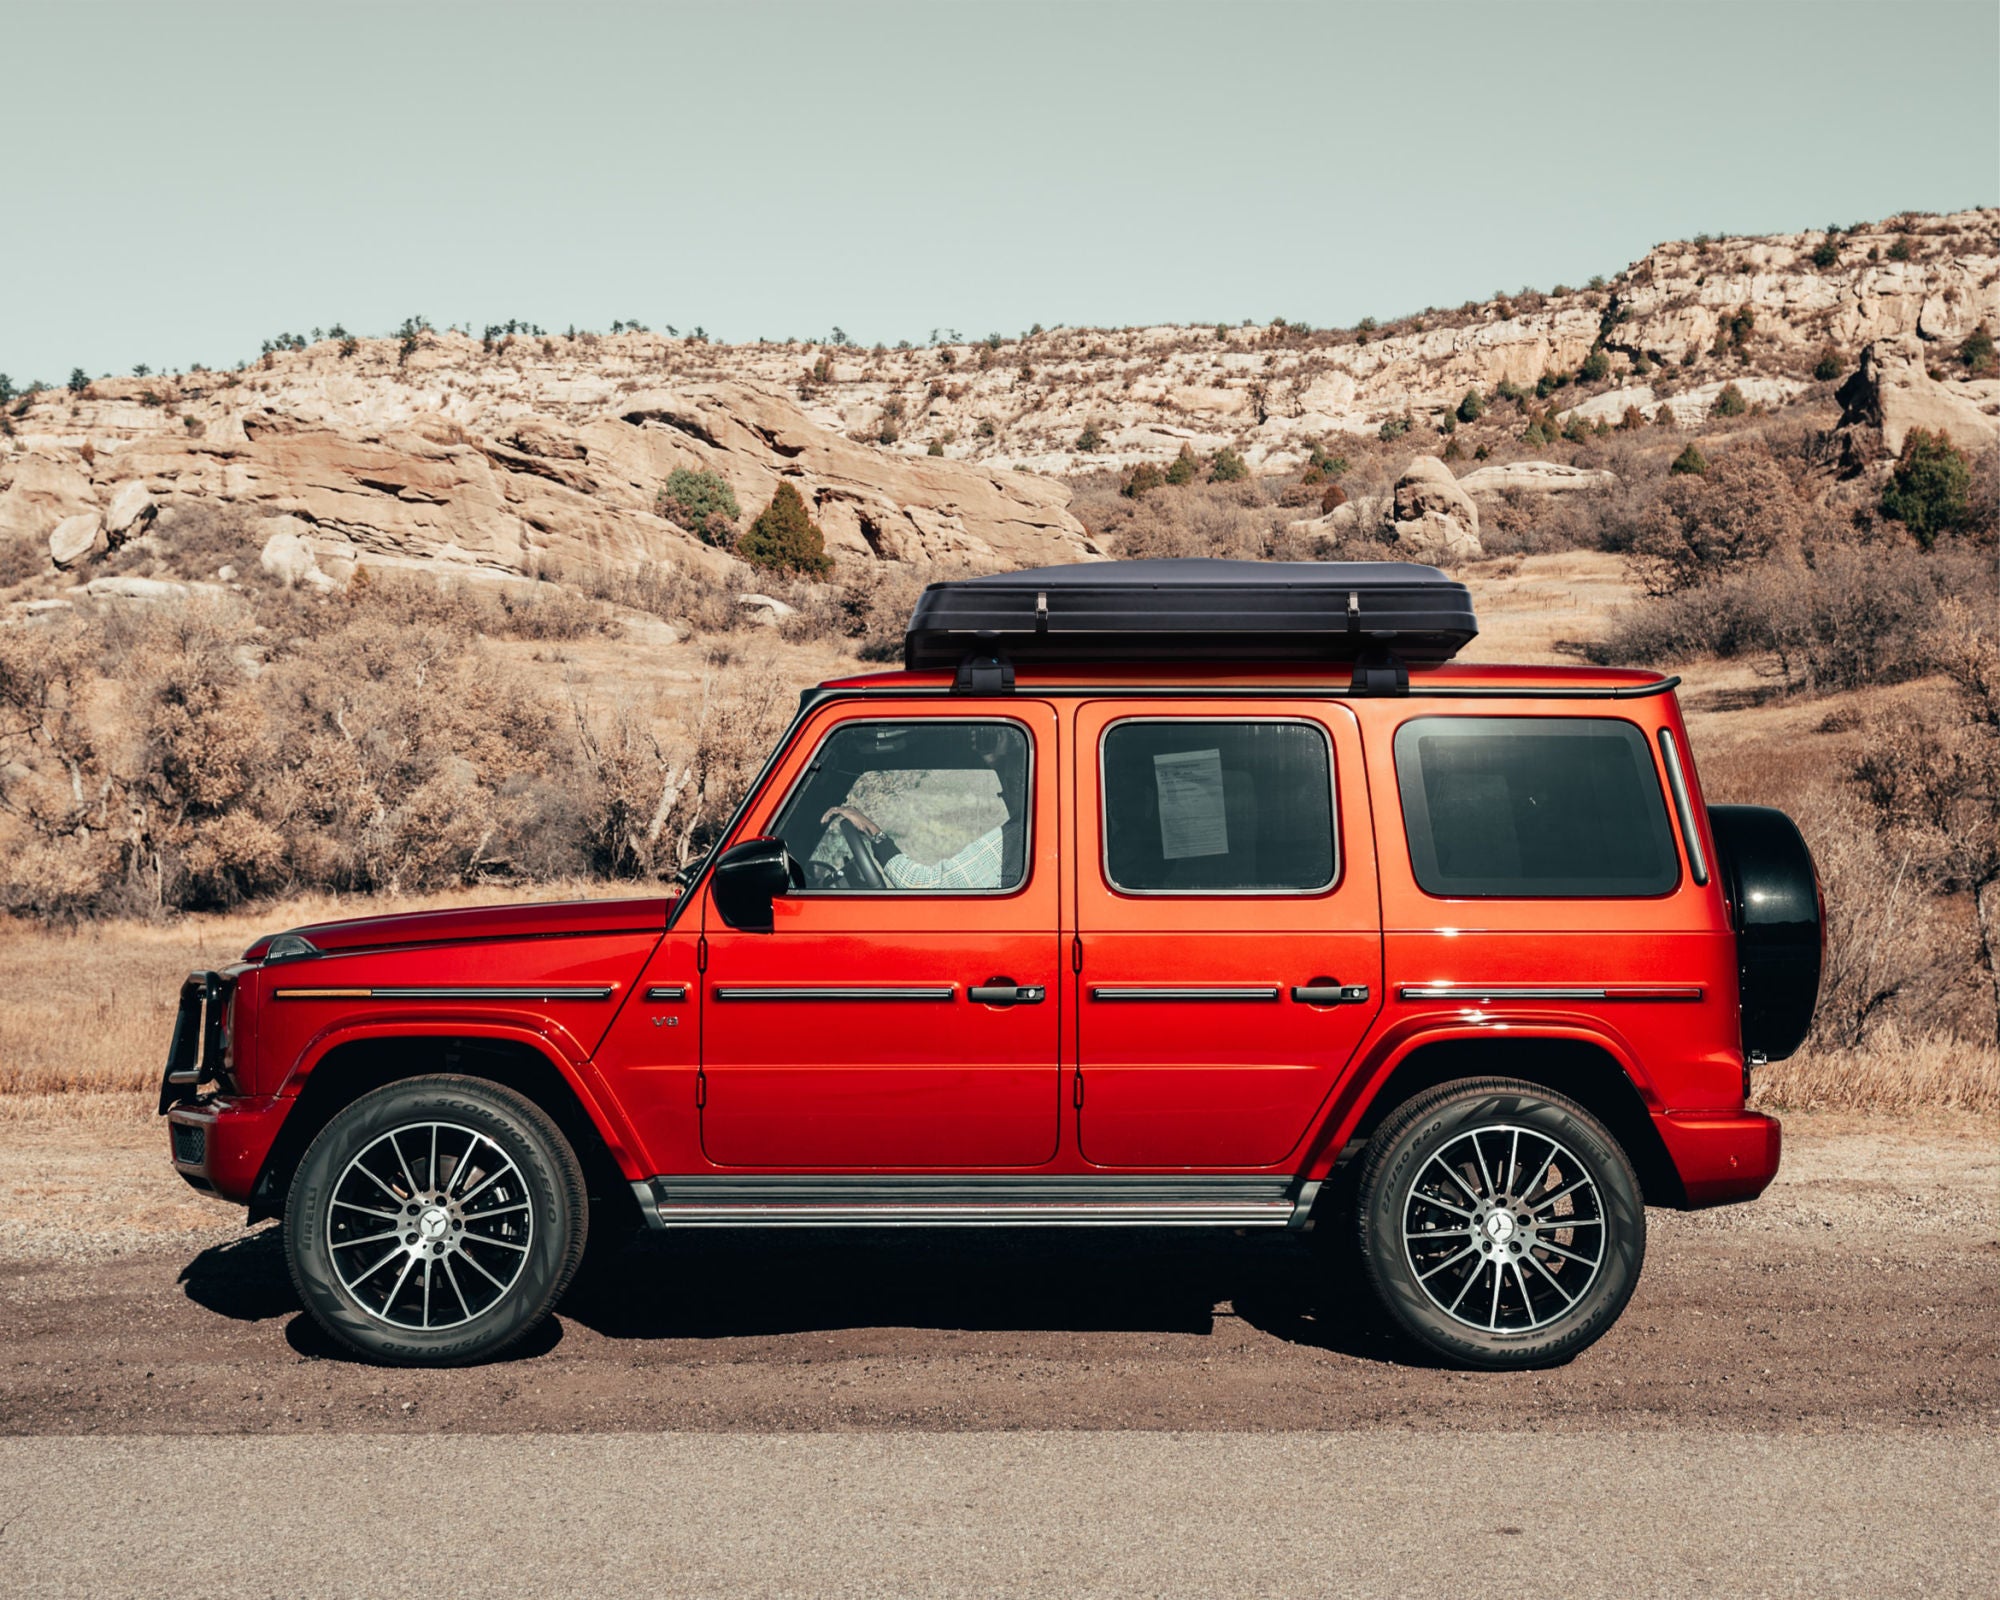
661,1515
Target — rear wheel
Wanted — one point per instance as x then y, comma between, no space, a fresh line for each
1499,1223
435,1221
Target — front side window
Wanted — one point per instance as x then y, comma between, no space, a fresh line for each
912,807
1241,807
1533,806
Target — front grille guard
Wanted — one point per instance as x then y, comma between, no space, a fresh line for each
194,1056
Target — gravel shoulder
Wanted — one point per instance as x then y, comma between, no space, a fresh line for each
1858,1294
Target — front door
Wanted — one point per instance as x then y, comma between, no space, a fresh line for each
1229,924
903,1011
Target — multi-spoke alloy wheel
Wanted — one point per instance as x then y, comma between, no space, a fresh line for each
1500,1223
430,1226
436,1220
1503,1229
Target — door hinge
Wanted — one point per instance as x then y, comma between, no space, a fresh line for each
700,1088
701,953
1076,953
1076,1090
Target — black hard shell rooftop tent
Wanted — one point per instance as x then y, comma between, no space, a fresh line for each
1378,614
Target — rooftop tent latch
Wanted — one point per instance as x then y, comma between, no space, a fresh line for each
1376,672
1042,611
991,673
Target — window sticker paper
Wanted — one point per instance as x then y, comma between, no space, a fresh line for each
1192,821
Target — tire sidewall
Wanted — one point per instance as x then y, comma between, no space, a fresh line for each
548,1171
1385,1188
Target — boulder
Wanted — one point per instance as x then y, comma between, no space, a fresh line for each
135,589
768,610
1533,477
1427,486
76,539
1435,519
130,510
288,553
1436,538
1892,392
43,493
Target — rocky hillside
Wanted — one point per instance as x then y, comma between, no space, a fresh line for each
520,452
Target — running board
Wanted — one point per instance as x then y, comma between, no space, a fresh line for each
832,1202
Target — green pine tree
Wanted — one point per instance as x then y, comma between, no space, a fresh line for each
785,538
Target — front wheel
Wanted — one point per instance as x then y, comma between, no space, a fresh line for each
1500,1224
435,1221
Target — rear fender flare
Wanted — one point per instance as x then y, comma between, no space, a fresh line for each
1358,1094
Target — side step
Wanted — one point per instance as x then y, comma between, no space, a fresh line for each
1025,1202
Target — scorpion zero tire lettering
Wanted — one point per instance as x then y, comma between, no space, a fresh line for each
435,1221
1499,1223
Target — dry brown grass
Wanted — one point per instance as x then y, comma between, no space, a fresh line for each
1894,1074
86,1013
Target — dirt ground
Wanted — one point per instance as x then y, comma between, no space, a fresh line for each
1859,1293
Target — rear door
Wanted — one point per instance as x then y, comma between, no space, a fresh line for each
1229,926
904,1014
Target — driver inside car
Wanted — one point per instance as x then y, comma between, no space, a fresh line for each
989,861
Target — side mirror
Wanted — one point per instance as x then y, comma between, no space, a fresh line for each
748,877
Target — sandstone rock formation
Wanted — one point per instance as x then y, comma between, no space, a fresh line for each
131,508
1435,520
344,475
525,454
1533,477
76,539
1891,392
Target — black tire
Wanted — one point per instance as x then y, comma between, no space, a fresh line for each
483,1191
1444,1186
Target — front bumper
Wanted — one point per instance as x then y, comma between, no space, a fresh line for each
219,1143
1721,1156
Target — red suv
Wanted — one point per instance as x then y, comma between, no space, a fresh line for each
1149,893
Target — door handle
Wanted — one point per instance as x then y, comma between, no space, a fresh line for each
1326,993
1006,992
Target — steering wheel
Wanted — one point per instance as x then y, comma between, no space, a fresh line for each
861,856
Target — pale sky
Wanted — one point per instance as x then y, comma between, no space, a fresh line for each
183,178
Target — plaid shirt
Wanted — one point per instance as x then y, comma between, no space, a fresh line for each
977,866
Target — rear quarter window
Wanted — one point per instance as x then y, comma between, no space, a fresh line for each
1546,807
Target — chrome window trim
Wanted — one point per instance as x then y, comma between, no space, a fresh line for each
1104,814
1683,806
1027,843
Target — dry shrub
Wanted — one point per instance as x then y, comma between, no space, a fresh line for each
1237,519
1832,616
1894,953
1705,525
656,808
365,753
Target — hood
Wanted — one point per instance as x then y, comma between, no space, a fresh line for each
552,920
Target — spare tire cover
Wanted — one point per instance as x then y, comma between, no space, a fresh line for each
1774,899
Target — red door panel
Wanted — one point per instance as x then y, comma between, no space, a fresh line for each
848,1037
1193,1049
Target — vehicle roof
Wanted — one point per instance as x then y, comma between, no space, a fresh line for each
1195,676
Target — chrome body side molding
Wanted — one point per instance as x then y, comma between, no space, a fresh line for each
1473,993
932,992
1249,992
555,991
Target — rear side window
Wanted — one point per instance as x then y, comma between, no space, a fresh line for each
1533,806
1217,807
